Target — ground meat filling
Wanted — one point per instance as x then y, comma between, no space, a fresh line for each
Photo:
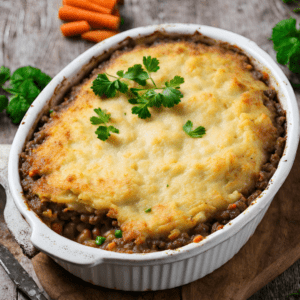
85,227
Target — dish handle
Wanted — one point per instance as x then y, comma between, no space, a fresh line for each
61,249
16,224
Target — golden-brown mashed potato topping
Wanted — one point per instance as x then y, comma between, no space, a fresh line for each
153,163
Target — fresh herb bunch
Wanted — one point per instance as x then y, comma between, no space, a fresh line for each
25,85
103,132
297,294
289,1
142,97
286,39
196,133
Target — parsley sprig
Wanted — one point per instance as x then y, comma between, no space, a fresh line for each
286,39
103,131
143,98
25,85
196,133
289,1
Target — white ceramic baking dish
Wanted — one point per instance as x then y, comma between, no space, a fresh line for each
171,268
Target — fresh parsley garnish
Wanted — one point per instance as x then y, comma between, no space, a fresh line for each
103,132
17,108
289,1
135,73
286,39
196,133
4,75
25,84
143,98
3,102
103,86
148,210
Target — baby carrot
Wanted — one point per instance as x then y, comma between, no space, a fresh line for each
87,5
97,35
106,3
116,12
74,28
95,19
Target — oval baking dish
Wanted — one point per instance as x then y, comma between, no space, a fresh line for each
170,268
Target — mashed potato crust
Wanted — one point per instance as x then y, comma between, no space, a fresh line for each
153,163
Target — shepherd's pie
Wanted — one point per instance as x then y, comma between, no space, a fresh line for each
152,184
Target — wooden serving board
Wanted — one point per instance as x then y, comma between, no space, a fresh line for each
273,248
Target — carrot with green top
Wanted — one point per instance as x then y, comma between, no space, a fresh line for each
106,3
95,19
97,36
74,28
87,5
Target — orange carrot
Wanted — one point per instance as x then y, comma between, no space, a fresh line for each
98,35
111,246
116,12
198,239
87,5
95,19
232,206
106,3
74,28
57,227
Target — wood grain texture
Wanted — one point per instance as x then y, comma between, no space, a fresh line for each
29,35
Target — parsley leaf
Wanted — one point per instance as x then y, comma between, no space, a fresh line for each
17,108
151,64
142,97
26,89
25,84
286,39
175,82
196,133
103,132
3,102
103,117
103,86
155,99
135,73
30,74
4,75
294,63
289,1
169,97
141,110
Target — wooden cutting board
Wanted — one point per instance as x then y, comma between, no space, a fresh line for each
273,248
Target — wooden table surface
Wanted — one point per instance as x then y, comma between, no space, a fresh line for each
30,35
